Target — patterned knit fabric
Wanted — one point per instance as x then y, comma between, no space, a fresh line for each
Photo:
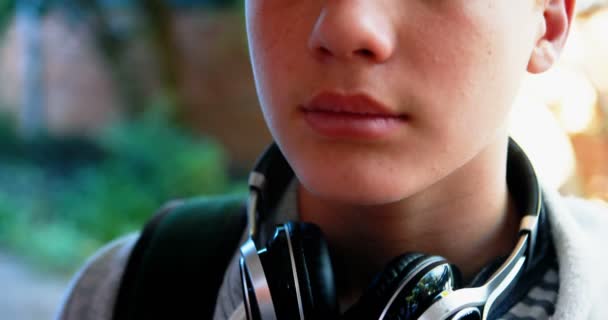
539,303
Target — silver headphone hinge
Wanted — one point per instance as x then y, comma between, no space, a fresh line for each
256,185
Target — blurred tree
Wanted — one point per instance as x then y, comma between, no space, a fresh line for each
151,20
160,24
32,115
7,11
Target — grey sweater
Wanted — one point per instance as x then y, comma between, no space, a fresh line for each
579,229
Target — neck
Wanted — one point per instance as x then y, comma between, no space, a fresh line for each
467,217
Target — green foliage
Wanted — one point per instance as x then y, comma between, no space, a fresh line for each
62,198
57,208
7,11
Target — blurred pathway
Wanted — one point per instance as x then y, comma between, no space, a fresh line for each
27,294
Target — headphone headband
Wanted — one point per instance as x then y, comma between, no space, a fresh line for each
265,193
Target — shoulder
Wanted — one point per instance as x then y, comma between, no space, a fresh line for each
579,221
591,215
92,291
188,224
580,233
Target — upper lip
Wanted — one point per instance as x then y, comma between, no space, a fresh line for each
358,103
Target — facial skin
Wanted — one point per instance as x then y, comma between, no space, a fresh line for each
449,68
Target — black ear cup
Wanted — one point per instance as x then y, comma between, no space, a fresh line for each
407,286
304,245
316,277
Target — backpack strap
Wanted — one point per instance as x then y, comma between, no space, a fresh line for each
177,265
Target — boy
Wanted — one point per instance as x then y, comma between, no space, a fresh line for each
391,116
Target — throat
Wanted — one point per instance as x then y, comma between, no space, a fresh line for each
362,241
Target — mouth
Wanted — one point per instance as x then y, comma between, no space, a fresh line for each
357,116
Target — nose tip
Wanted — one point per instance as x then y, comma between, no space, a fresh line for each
351,33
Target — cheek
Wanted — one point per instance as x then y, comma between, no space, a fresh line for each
472,65
278,31
274,49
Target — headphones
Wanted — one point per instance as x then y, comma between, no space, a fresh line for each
292,278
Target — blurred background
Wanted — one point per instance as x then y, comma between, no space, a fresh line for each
110,108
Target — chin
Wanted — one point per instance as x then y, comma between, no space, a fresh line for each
354,174
357,189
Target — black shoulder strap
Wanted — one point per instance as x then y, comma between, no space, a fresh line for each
178,264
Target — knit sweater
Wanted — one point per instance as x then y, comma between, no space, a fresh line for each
579,230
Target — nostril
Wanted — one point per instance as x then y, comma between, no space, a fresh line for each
366,53
324,51
363,53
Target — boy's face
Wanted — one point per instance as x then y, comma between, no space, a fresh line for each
446,72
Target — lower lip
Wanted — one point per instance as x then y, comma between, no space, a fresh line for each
353,126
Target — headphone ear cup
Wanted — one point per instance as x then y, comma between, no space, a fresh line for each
402,277
312,264
383,285
315,271
276,263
